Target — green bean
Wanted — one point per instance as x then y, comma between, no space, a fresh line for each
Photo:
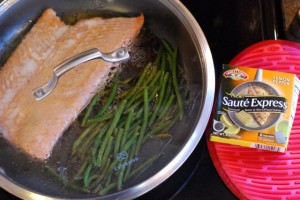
115,132
107,149
126,147
120,178
139,82
108,170
107,167
160,98
156,77
161,78
97,142
109,187
142,167
133,98
123,94
53,172
91,179
81,169
145,121
82,135
122,121
98,188
130,142
150,77
166,106
89,109
139,92
75,187
135,128
118,141
133,106
169,92
127,80
161,126
137,97
105,170
131,156
175,83
109,115
125,171
163,135
127,125
108,179
138,115
110,130
65,181
153,94
167,46
86,174
86,144
128,109
137,103
101,174
111,96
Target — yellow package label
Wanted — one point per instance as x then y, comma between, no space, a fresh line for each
255,108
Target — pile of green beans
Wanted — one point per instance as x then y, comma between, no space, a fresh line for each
121,122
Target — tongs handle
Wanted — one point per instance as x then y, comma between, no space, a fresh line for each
115,56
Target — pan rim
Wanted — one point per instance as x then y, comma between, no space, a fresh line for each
204,53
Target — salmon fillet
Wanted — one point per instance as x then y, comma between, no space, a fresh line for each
255,90
35,126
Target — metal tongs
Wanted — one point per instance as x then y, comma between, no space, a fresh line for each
116,56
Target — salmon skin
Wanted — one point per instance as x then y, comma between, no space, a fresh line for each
35,126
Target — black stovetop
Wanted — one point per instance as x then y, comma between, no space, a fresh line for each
229,26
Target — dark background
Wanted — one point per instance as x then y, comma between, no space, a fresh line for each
229,26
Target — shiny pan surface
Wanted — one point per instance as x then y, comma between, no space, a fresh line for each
167,19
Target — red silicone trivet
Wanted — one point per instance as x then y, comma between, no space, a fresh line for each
259,174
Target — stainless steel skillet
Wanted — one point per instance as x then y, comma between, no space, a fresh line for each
167,19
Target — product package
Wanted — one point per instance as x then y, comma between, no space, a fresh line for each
255,108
